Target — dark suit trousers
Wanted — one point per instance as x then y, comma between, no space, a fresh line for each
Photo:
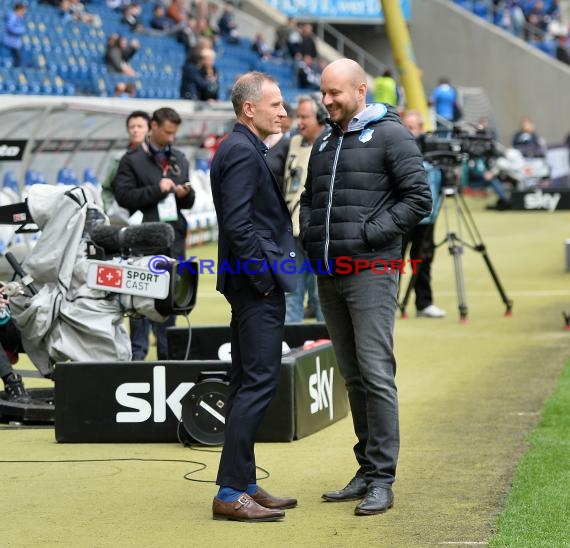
257,336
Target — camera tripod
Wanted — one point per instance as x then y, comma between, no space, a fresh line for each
456,244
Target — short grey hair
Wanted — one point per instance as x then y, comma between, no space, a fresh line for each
248,88
308,99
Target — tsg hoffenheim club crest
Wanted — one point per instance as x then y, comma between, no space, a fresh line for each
366,135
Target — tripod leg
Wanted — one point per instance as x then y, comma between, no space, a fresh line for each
456,251
506,300
480,247
404,303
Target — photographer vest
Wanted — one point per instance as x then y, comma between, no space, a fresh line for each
295,176
385,90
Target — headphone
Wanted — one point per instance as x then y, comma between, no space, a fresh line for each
321,111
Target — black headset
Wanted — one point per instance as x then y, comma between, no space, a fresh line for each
321,111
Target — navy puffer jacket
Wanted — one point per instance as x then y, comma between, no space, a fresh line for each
364,189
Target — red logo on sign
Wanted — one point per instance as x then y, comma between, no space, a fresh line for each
109,276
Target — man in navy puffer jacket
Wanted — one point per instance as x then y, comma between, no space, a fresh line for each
366,187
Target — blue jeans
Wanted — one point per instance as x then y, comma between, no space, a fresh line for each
295,300
498,188
140,330
360,311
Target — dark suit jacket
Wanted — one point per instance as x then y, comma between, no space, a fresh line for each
252,216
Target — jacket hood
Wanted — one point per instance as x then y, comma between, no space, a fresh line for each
375,112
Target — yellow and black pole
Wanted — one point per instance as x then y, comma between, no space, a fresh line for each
404,58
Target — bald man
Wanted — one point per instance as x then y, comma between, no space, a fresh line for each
366,187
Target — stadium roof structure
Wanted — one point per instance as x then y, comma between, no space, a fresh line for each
91,130
25,117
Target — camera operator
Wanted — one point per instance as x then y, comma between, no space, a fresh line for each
14,389
153,178
481,169
481,173
420,238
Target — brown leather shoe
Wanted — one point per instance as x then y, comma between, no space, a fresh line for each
244,509
261,496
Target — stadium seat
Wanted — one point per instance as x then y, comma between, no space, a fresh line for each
498,18
65,176
10,182
481,9
70,57
33,177
546,46
465,4
90,177
5,62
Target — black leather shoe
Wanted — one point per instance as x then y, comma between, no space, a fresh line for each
376,501
355,490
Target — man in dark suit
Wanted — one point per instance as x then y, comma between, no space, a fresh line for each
255,245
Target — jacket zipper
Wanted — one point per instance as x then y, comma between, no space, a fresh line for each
329,205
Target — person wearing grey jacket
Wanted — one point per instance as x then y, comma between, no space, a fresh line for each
365,188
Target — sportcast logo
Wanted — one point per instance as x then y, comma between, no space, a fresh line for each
109,276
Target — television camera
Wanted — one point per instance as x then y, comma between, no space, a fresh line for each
73,286
450,149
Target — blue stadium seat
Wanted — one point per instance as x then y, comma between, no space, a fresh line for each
22,87
47,87
498,17
65,176
5,62
9,86
481,9
70,57
90,177
465,4
548,47
34,88
10,181
33,177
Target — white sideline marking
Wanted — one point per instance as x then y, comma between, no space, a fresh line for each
530,293
465,542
